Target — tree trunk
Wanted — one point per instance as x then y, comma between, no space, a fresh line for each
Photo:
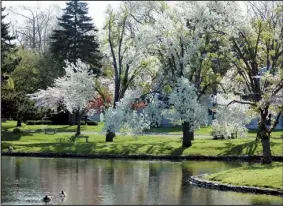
264,136
186,135
78,123
72,119
192,136
110,136
19,123
267,157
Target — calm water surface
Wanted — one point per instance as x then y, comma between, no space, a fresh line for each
25,180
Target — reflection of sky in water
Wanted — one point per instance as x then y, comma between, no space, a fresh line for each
27,180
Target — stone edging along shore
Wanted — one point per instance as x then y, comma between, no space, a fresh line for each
158,157
197,180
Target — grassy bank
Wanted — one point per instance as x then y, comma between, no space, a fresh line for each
155,145
265,176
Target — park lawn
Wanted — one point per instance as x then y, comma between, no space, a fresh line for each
10,125
204,130
257,175
178,130
154,145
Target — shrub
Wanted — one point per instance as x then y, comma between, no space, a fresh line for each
91,123
17,130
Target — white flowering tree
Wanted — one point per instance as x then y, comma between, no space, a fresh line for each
189,43
123,118
132,68
230,120
255,50
75,90
186,110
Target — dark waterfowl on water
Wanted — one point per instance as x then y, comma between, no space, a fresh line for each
63,194
46,199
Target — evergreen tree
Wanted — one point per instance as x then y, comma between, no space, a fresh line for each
7,63
17,106
76,38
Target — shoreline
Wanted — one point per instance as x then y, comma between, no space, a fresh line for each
244,158
200,182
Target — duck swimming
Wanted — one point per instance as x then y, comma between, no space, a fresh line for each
62,194
46,199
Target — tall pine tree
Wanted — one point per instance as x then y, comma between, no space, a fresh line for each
8,64
76,38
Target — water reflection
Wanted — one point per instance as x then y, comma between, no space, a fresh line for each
26,180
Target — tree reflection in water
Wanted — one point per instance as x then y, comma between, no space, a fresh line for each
100,181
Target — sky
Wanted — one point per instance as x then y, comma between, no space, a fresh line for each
96,8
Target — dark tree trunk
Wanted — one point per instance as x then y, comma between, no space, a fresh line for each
110,136
78,123
267,157
186,135
264,135
192,136
72,119
19,123
78,128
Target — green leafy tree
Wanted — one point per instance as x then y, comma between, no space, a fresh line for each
7,63
256,51
26,76
26,79
17,106
76,38
49,69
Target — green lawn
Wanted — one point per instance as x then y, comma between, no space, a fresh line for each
178,130
10,125
269,176
206,131
155,145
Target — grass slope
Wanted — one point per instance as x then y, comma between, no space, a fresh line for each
267,176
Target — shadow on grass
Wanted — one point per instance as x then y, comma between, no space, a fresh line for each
178,151
10,136
66,129
6,128
164,129
232,149
255,130
252,166
101,148
66,147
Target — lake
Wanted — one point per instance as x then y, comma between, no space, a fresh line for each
26,180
